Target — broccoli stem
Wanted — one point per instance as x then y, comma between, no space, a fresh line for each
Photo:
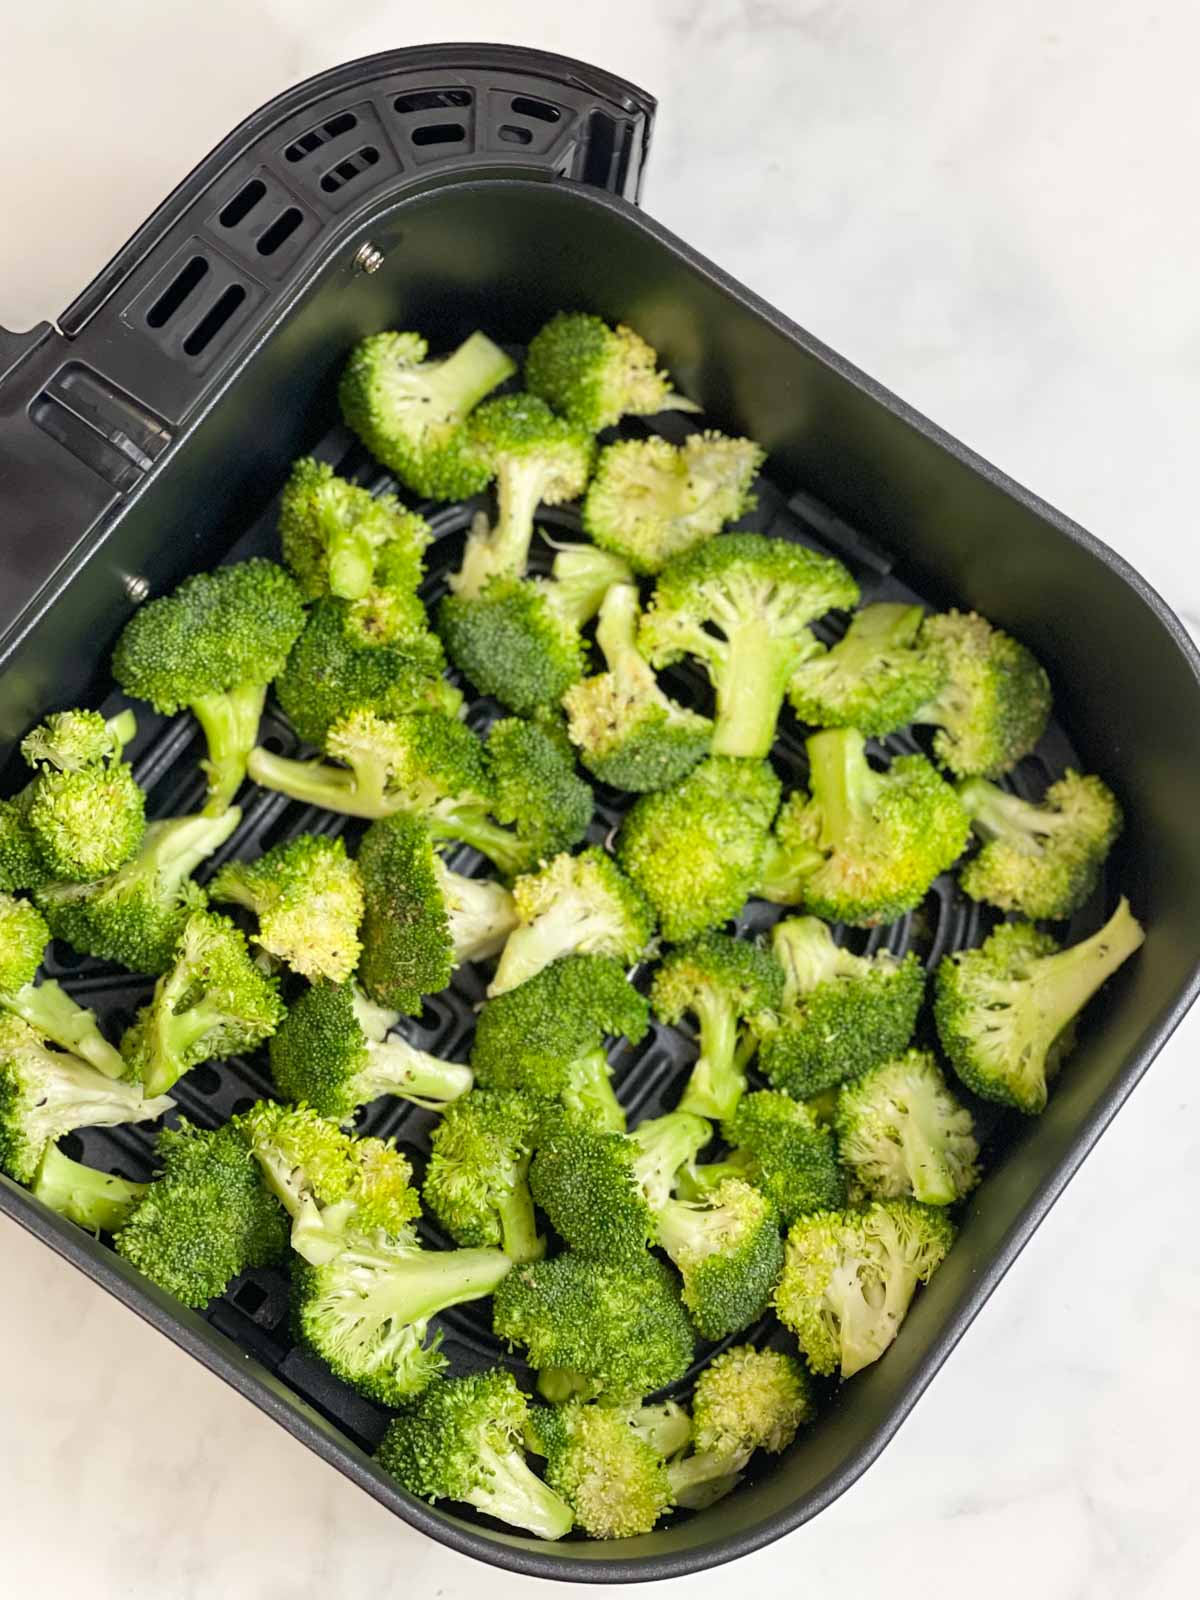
351,559
698,1182
616,630
701,1480
687,1229
171,851
665,1144
785,871
805,950
468,374
716,1084
421,1283
519,485
1065,982
560,1384
123,727
590,1092
996,814
666,1428
318,783
481,915
230,724
472,825
173,1034
399,1068
50,1011
94,1200
519,1238
582,577
750,686
517,1496
840,781
558,931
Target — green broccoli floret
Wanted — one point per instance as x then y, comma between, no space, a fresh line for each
463,1442
841,1013
84,811
902,1132
21,864
137,914
547,1037
729,1252
741,605
780,1147
864,846
724,983
339,539
613,1479
537,459
207,1216
68,741
97,1201
536,790
696,851
411,413
995,702
518,639
628,732
1005,1011
323,1056
663,1148
46,1007
308,897
595,1328
476,1183
849,1278
211,648
1042,861
45,1094
875,678
595,375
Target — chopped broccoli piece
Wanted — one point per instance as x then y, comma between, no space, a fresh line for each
21,864
69,741
476,1183
1042,861
595,375
995,702
308,897
666,1146
610,1475
23,937
1004,1011
46,1007
537,791
97,1201
901,1131
87,822
745,1400
339,539
463,1442
411,413
781,1148
728,1249
741,605
874,679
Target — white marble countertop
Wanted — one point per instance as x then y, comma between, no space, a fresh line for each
990,208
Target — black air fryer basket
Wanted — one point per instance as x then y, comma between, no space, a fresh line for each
145,437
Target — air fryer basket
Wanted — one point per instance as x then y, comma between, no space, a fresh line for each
149,436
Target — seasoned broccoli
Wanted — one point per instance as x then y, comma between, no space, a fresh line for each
864,846
212,647
213,1002
741,605
728,1249
780,1147
476,1183
308,897
46,1007
595,375
85,812
97,1201
339,539
69,741
411,413
207,1216
613,1479
21,864
628,732
995,702
651,501
841,1013
901,1132
45,1094
745,1400
875,678
724,983
537,791
136,915
849,1278
323,1056
594,1329
696,851
1042,861
463,1441
1005,1011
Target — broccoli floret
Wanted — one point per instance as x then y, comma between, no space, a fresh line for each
45,1094
411,413
518,639
628,732
323,1056
902,1132
864,846
547,1037
85,812
664,1147
780,1147
841,1013
207,1216
476,1183
308,897
724,983
536,790
463,1442
728,1249
46,1007
696,851
68,741
995,702
597,1328
613,1479
1004,1011
874,679
849,1278
595,375
1042,861
21,864
339,539
745,1400
212,647
741,605
537,459
97,1201
137,914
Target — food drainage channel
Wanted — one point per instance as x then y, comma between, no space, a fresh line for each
254,1310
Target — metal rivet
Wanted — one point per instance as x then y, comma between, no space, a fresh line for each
136,588
367,258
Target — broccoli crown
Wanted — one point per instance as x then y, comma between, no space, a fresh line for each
308,897
335,535
407,947
876,678
651,501
741,605
696,851
787,1153
585,1180
613,1479
1004,1010
21,864
1042,861
595,375
23,937
463,1441
616,1328
98,1201
411,413
512,643
206,1217
68,741
729,1252
536,791
87,821
995,702
747,1400
476,1180
902,1132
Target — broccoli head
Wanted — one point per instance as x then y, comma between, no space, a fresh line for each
729,1252
98,1201
994,703
308,897
85,812
476,1183
902,1132
69,741
21,864
781,1147
536,791
339,539
612,1477
595,375
23,937
46,1007
875,678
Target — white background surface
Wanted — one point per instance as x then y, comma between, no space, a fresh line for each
990,208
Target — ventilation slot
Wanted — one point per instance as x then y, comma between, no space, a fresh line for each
180,289
511,134
431,100
243,203
439,133
601,147
352,167
316,137
539,110
280,230
214,320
